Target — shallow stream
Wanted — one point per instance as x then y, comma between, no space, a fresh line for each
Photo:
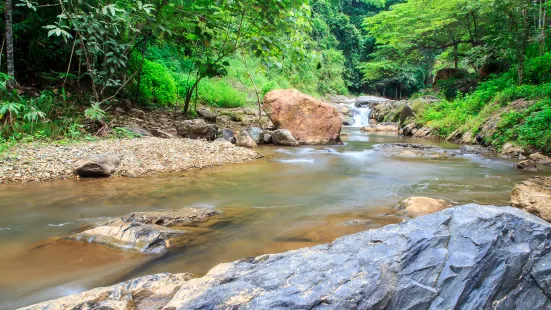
293,198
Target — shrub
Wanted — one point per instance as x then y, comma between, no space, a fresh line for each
219,93
157,85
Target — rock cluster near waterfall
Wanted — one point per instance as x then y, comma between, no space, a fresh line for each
468,257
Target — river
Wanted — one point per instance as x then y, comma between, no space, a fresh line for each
293,198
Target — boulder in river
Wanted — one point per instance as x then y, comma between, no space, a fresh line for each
475,149
144,293
534,196
283,137
526,165
311,121
245,140
541,159
257,134
419,206
468,257
511,150
146,232
102,165
197,129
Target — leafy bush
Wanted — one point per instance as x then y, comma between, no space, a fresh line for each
219,93
157,86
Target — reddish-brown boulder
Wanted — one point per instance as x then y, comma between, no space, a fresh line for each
311,121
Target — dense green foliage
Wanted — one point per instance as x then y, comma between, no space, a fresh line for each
178,53
526,122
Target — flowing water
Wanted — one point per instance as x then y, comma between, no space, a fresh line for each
293,198
360,115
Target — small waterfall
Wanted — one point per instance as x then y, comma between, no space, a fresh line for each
360,116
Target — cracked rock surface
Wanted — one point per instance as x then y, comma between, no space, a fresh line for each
468,257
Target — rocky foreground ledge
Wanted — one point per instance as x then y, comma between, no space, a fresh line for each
468,257
138,157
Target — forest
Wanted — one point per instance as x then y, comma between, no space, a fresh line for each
66,63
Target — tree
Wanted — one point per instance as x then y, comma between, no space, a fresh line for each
266,29
9,44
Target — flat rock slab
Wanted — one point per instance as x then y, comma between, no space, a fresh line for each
468,257
147,232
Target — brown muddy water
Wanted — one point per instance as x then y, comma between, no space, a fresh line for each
295,197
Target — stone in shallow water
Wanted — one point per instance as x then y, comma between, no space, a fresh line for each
468,257
146,232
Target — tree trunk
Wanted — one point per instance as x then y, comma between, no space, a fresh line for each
189,94
9,45
140,69
456,56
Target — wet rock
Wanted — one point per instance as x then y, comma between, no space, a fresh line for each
454,136
172,218
526,165
512,151
383,127
144,293
197,129
102,165
207,115
475,149
140,132
419,206
534,196
268,138
149,239
257,134
245,140
541,159
468,257
408,130
155,132
227,134
310,120
408,146
283,137
146,232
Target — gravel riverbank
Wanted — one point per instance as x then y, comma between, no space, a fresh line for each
139,157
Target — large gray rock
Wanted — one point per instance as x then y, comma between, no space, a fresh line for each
469,257
371,100
257,134
197,129
102,165
283,137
